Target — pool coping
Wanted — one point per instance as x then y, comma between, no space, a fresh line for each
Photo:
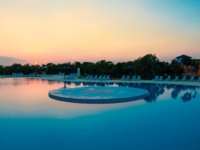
141,94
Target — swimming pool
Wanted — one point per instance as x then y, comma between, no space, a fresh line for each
30,119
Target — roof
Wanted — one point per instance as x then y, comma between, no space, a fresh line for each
181,56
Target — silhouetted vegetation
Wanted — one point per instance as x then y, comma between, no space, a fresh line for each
147,66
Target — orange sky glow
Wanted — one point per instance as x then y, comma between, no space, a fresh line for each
69,31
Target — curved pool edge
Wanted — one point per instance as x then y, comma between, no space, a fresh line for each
140,95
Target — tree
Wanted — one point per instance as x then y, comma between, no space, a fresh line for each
1,69
186,61
195,64
26,69
175,68
102,66
147,66
119,69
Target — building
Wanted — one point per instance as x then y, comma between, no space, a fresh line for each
190,68
179,58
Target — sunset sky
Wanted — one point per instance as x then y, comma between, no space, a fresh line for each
60,31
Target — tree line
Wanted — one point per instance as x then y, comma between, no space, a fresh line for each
147,66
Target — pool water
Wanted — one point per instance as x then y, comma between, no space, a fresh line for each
30,119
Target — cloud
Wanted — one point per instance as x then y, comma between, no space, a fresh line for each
7,61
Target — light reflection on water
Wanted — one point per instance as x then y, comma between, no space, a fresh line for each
168,119
29,97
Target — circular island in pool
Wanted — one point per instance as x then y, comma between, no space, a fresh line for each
98,95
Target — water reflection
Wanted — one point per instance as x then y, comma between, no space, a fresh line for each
30,97
28,100
64,87
28,117
185,92
77,83
51,82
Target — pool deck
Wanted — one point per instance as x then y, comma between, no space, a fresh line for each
61,78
